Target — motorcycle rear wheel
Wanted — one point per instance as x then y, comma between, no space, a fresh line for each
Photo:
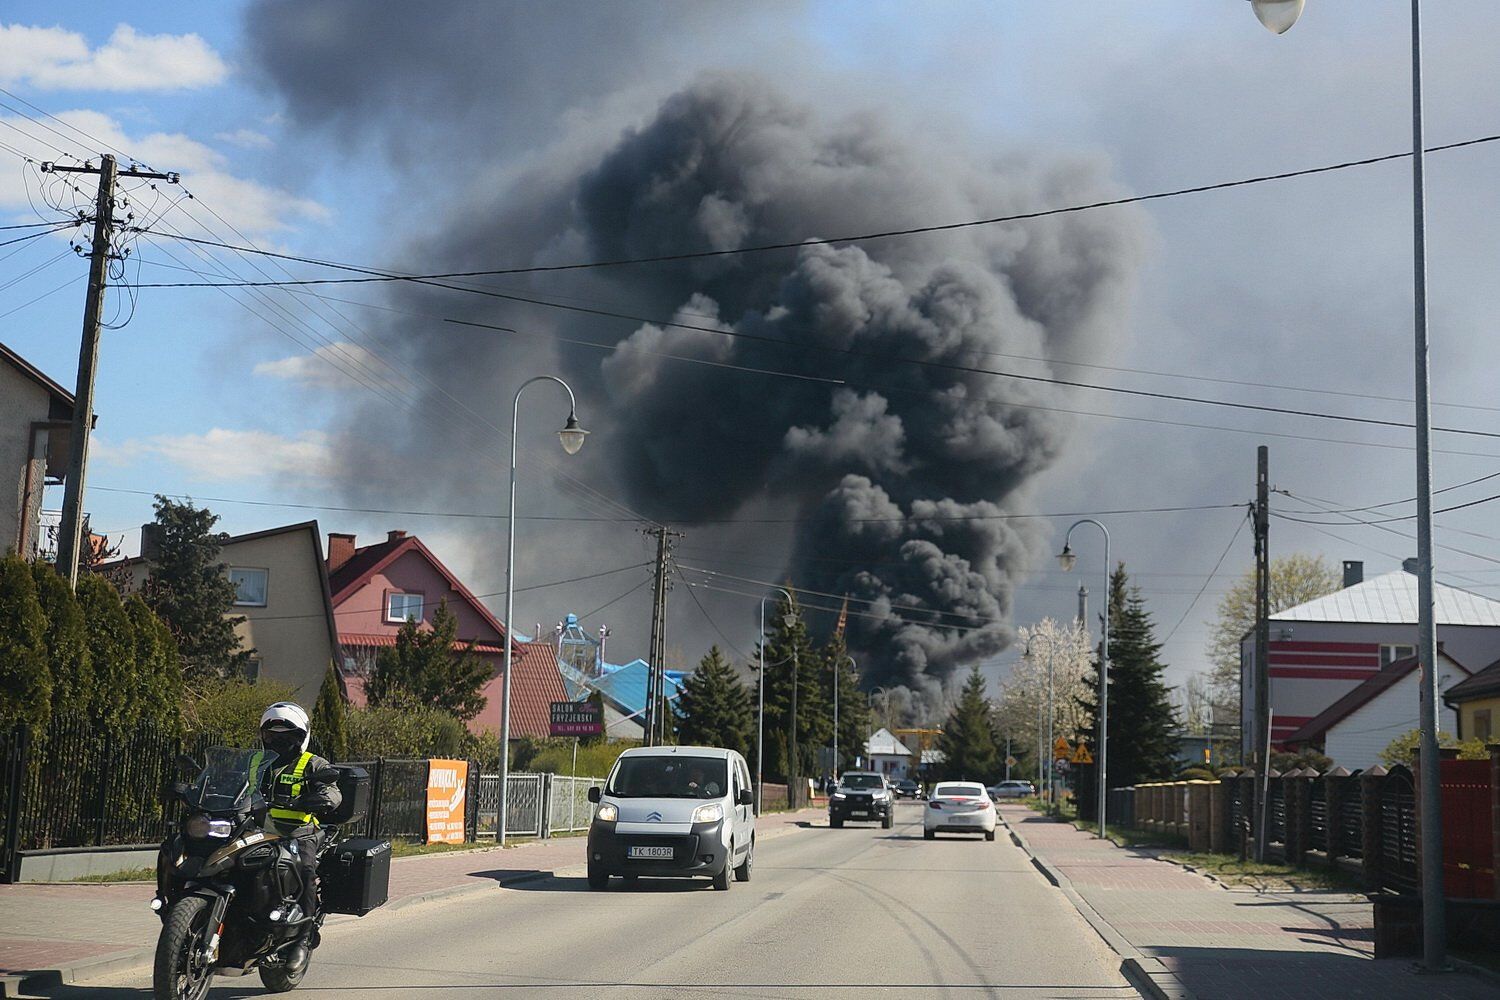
179,972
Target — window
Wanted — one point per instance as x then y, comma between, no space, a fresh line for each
1390,652
402,607
249,586
250,672
1482,729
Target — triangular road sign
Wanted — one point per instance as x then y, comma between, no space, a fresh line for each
1082,755
1061,749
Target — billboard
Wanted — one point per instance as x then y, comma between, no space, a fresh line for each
576,718
447,783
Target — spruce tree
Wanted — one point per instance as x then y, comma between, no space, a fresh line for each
1142,722
714,706
329,721
968,741
25,678
189,588
423,669
780,643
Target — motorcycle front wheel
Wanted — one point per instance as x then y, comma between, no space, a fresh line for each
181,971
280,978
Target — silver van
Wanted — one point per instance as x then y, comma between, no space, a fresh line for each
673,811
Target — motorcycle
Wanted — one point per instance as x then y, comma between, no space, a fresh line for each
229,886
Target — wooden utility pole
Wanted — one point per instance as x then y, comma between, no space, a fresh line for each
1262,734
70,530
656,730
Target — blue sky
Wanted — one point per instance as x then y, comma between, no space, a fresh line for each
1302,283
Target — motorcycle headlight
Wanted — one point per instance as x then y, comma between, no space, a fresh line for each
838,795
711,813
200,826
607,813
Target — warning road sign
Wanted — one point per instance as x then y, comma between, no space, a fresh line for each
1082,755
1011,762
1061,749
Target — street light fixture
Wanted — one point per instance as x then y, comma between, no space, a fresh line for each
1068,560
571,437
1434,933
1277,15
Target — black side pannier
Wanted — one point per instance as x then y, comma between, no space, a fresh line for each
354,786
355,876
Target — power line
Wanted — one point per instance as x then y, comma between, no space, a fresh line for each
614,601
1208,579
709,618
377,275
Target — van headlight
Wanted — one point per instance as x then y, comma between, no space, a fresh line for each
608,812
711,813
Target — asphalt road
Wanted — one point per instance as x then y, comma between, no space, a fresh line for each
840,913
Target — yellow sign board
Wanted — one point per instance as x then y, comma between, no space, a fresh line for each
1061,749
1082,755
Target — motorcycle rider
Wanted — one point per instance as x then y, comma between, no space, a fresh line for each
296,801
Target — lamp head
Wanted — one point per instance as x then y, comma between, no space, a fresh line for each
1067,558
572,435
1277,15
790,620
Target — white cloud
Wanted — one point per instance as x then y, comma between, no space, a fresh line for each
327,368
250,206
223,455
57,59
245,138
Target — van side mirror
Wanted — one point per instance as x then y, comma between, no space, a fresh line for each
594,795
745,798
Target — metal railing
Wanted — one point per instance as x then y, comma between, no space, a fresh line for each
523,809
568,805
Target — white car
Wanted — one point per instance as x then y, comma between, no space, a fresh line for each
959,807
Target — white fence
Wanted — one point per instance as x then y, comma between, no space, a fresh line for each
538,805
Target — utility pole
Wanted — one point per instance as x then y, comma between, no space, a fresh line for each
656,702
70,531
1262,735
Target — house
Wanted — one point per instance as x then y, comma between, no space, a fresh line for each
376,588
36,419
1476,699
1354,729
888,755
1325,648
281,592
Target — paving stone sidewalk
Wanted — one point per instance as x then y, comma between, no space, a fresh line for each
82,928
1221,943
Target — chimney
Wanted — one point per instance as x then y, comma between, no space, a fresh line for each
151,541
394,536
1354,572
340,550
1410,565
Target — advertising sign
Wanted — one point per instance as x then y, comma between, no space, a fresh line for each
576,718
447,783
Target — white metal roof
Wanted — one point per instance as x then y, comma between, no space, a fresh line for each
1391,599
883,743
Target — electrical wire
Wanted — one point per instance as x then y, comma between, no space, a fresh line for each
708,617
614,601
1209,579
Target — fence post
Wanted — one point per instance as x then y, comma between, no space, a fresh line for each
1371,785
101,804
1335,793
471,803
544,823
15,798
375,798
1295,794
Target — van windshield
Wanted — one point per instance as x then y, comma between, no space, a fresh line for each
669,777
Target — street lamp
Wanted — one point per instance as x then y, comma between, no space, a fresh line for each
1434,943
571,437
790,619
1068,559
1277,15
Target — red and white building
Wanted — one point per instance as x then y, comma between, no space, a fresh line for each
1322,650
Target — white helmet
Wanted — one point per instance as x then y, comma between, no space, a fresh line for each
290,714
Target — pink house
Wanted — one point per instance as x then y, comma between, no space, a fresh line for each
378,587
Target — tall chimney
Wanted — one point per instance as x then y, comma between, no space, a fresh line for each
340,550
394,536
1354,572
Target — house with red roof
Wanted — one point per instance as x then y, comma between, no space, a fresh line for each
376,588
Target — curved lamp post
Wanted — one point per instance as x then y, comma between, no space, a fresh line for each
760,725
1068,560
1279,15
571,436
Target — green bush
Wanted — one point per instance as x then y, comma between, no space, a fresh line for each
556,756
330,718
1197,774
25,680
393,731
231,710
158,669
111,642
67,644
1403,749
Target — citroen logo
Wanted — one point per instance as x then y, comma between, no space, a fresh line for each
654,817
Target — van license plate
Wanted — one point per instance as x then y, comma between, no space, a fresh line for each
649,852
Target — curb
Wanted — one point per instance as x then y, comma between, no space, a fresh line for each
20,984
1148,975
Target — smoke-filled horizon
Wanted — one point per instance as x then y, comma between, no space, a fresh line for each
899,477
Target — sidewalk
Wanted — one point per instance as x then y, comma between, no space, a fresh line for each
75,931
1187,936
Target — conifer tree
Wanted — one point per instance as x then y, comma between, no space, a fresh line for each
111,642
424,669
968,742
189,588
781,642
330,722
25,678
67,640
158,671
714,706
853,705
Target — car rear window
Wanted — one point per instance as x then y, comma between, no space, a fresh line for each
957,789
662,776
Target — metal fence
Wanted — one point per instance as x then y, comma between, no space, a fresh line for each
1398,831
568,805
523,807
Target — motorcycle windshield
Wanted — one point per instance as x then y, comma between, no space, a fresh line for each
229,778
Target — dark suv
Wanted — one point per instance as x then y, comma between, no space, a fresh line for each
861,795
